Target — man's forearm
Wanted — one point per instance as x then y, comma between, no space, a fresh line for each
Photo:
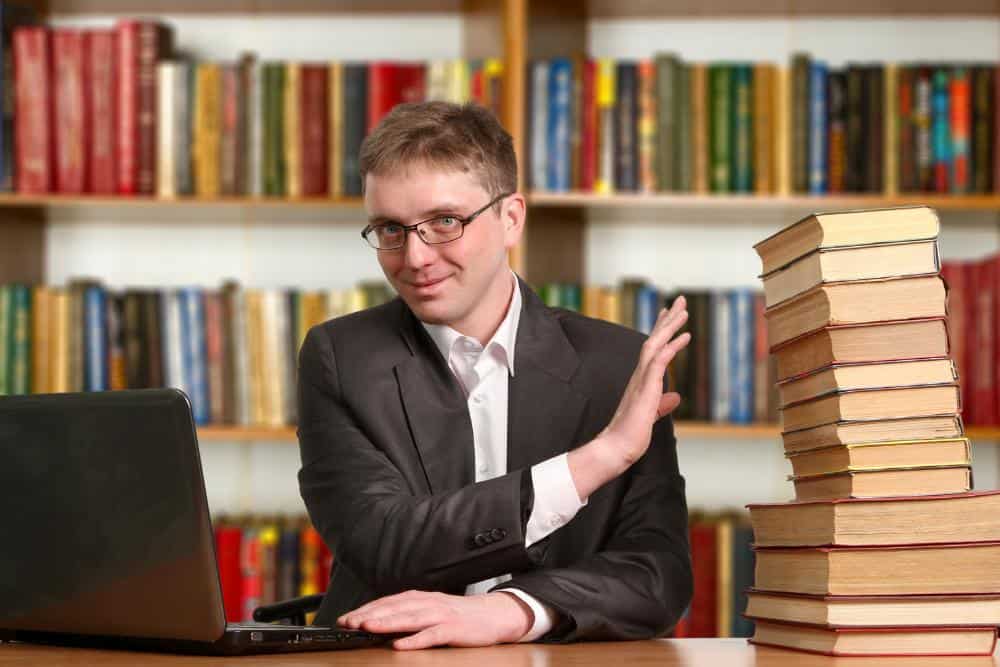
595,464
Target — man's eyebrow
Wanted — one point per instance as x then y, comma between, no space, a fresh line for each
440,209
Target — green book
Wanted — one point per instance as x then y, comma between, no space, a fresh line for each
6,324
667,66
19,362
273,126
720,139
742,134
800,122
550,294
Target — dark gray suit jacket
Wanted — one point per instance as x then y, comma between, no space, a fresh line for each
387,473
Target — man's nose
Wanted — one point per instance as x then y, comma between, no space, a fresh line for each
417,252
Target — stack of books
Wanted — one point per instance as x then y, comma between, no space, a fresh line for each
885,549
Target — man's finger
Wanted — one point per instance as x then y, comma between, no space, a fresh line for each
380,603
436,635
357,619
413,620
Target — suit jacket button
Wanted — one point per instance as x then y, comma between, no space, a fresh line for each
497,534
481,540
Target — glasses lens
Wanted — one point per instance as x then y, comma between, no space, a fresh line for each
441,230
386,237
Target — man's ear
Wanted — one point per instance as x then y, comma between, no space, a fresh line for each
513,216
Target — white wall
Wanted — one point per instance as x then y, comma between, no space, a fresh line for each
265,246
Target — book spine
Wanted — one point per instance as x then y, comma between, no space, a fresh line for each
982,167
558,130
193,336
183,97
941,130
11,16
102,111
355,113
741,174
906,131
890,133
214,354
6,335
922,121
127,107
70,106
60,381
166,126
41,343
760,381
153,331
875,129
33,94
19,381
836,160
647,126
782,131
721,139
336,129
588,129
996,129
96,342
984,345
273,158
741,353
720,360
800,96
315,85
666,89
254,127
116,343
153,44
817,128
960,112
206,147
699,128
293,122
606,149
763,128
539,124
684,144
855,134
229,128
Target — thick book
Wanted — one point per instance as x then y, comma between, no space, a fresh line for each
71,126
34,141
872,404
875,456
626,130
855,343
851,263
667,68
313,130
958,568
874,611
557,132
392,83
101,86
847,377
11,16
355,116
973,517
884,482
947,426
909,641
846,228
856,303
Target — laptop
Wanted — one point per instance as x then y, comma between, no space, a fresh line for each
107,539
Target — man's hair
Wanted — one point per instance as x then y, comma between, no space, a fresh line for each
443,135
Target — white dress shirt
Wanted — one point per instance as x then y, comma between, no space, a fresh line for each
484,372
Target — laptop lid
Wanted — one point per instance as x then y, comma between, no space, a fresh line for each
107,528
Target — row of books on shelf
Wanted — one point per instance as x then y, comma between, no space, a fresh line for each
232,350
662,124
126,113
218,345
266,559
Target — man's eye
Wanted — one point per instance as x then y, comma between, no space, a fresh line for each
390,230
446,222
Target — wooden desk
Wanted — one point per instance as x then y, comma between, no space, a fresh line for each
661,653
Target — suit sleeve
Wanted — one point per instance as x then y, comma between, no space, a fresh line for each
640,583
392,538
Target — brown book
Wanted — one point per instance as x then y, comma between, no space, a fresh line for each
884,482
844,433
846,228
699,127
856,343
869,262
872,404
215,356
896,454
958,568
873,611
41,339
152,314
60,341
856,303
930,640
292,100
845,377
314,92
763,127
972,517
207,130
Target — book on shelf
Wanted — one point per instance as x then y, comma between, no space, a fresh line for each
878,521
869,641
879,482
874,611
868,456
872,404
958,568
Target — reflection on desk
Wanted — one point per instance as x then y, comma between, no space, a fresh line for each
662,653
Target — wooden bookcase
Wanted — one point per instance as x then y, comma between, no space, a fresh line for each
517,31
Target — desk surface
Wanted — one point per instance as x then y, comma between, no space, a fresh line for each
662,653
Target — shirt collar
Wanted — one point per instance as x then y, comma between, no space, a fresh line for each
505,338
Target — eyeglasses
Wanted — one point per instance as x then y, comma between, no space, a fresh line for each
435,231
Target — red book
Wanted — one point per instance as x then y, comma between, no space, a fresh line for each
702,616
981,343
101,111
33,137
69,60
960,109
907,154
390,84
313,102
588,126
477,84
250,570
227,552
955,275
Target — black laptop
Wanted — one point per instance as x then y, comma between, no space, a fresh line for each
106,537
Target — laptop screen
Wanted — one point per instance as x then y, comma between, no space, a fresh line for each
107,529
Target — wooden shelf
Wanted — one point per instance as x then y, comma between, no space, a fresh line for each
814,202
683,429
631,9
147,7
17,200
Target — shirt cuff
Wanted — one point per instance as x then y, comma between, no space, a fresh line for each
545,616
556,499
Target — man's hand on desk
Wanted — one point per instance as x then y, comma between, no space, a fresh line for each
438,619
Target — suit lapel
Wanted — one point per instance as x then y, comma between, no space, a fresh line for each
436,411
545,409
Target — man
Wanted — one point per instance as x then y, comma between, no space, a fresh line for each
486,468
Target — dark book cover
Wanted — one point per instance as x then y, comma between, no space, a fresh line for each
684,145
874,128
19,350
102,96
941,128
588,127
355,118
801,66
557,132
313,129
908,177
837,151
854,174
155,44
626,130
273,126
741,169
152,315
11,16
667,66
720,132
982,128
922,116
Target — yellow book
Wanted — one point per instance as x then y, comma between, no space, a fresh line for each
41,340
59,335
891,145
605,179
336,135
253,338
763,118
724,576
458,81
207,129
611,305
782,131
699,127
293,123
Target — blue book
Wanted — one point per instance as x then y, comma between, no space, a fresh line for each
741,155
941,125
819,140
741,356
558,134
194,354
95,340
647,307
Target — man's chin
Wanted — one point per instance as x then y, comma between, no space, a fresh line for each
429,312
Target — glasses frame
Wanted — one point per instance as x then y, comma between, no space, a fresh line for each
465,221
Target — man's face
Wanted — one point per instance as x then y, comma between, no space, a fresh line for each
456,283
